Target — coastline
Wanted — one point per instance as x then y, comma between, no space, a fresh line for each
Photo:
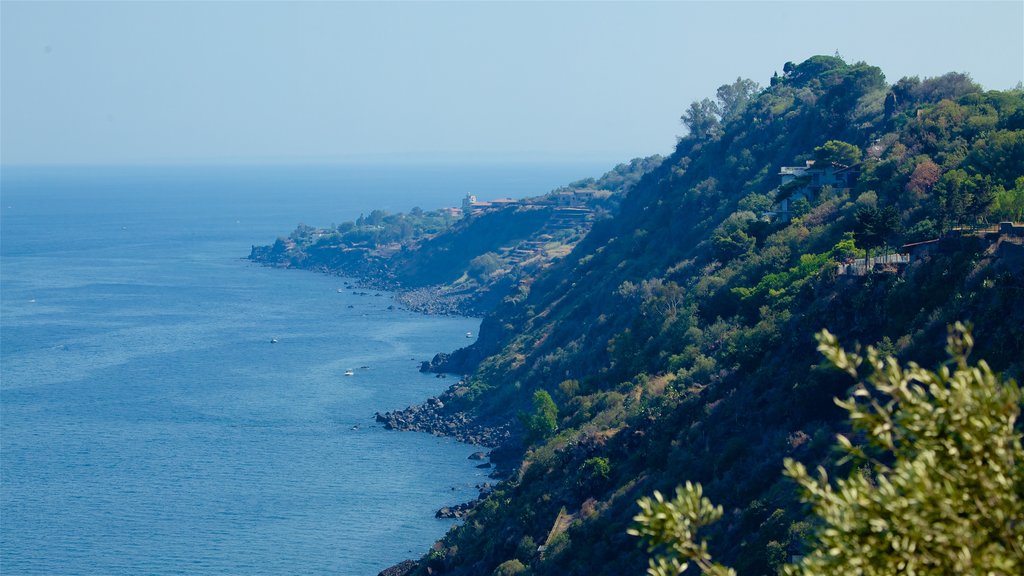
430,300
436,415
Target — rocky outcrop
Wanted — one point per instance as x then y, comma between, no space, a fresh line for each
465,360
403,568
458,512
436,363
435,417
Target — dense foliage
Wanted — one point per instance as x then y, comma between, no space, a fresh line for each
938,489
675,339
543,422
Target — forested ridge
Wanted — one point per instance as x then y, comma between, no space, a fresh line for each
676,340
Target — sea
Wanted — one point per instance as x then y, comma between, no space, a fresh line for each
167,407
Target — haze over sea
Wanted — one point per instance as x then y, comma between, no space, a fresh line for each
148,424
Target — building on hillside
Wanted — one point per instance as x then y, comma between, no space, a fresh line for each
479,207
565,199
574,198
805,183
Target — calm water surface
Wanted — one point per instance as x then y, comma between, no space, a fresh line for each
149,426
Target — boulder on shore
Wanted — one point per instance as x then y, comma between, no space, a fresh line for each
435,364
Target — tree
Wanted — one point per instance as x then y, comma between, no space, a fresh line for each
376,218
1009,204
733,98
926,175
731,240
813,69
702,119
936,490
1000,155
963,198
594,473
837,152
942,470
671,526
876,226
905,90
544,421
890,104
949,86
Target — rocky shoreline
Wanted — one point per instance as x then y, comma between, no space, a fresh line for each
403,568
456,512
436,301
430,300
436,417
460,511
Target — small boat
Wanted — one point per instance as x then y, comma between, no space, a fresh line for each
469,334
340,291
350,372
273,340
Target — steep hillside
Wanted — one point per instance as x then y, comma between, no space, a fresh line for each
676,339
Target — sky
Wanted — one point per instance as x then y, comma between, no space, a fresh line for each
338,82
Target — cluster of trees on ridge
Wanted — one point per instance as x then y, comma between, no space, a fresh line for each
674,342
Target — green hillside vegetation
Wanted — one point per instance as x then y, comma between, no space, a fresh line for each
935,490
675,340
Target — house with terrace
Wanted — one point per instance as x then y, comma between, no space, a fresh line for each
806,182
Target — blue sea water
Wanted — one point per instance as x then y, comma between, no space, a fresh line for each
147,423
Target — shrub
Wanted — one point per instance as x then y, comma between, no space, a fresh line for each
937,490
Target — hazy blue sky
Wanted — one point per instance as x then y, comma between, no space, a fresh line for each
129,82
